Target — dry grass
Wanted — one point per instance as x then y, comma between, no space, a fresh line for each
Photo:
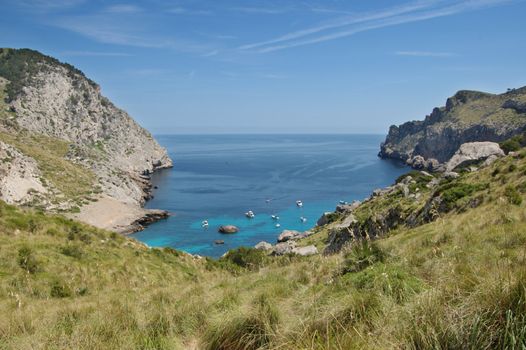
455,283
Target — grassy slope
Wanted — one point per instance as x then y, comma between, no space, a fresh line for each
454,283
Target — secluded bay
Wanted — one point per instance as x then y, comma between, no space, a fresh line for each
220,177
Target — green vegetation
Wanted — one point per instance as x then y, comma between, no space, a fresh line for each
19,67
454,283
74,181
513,144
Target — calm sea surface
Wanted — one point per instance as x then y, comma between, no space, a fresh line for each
220,177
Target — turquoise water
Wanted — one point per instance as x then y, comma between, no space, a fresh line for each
220,177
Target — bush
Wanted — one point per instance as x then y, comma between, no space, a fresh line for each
248,258
512,195
362,255
510,145
27,260
453,191
73,251
59,290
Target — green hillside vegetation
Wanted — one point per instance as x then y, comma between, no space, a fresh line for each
20,66
457,282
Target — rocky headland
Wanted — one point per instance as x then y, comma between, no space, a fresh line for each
468,116
67,148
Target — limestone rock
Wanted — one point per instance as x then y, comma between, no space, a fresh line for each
305,251
284,248
472,152
288,235
263,246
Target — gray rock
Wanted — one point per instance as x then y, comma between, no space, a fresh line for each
284,248
451,175
228,229
305,251
472,152
287,235
263,246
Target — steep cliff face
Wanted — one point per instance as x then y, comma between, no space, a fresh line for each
468,116
45,101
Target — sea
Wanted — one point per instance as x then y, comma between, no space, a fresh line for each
218,178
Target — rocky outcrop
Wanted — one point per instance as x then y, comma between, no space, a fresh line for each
305,251
473,152
468,116
53,99
228,229
263,246
288,235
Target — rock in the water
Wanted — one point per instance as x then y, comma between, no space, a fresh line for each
473,152
305,251
228,229
219,241
284,248
287,235
263,246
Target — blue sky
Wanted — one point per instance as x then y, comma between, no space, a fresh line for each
311,66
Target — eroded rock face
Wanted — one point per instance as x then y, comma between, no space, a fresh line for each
473,152
58,101
20,178
469,116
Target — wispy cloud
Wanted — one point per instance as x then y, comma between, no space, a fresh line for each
261,10
350,25
187,11
123,9
104,30
96,54
425,54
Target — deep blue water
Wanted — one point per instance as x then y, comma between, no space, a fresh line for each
220,177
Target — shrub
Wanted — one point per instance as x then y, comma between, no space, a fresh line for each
27,260
249,258
510,145
453,191
59,289
362,255
73,251
512,195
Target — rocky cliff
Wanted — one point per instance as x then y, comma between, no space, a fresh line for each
468,116
64,144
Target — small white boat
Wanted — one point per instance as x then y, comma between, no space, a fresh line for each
278,225
274,217
344,202
299,203
250,214
303,219
204,224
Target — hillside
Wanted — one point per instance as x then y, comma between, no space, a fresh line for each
65,145
468,116
399,273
